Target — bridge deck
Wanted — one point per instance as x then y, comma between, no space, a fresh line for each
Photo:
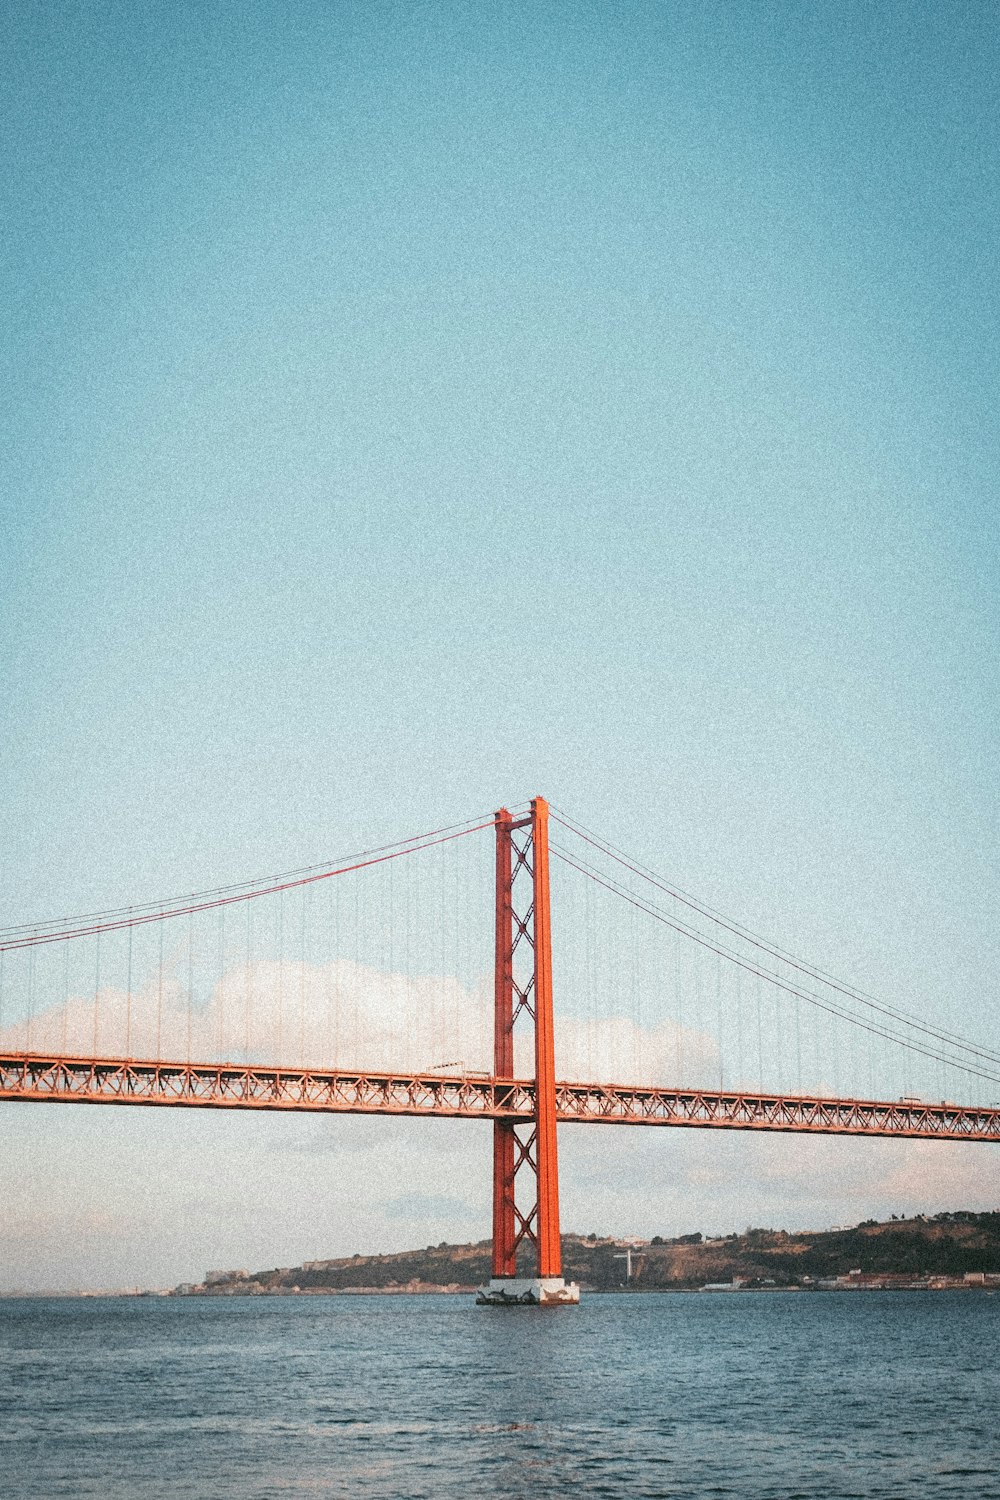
75,1080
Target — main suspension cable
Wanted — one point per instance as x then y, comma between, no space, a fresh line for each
137,916
745,934
830,1007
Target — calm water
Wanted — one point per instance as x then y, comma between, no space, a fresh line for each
740,1395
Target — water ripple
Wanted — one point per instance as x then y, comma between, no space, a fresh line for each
747,1397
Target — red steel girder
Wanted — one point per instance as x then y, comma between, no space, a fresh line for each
46,1078
618,1104
237,1086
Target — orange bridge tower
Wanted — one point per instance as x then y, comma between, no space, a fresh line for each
525,1159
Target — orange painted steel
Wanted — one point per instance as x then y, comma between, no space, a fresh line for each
619,1104
45,1078
525,1158
504,1140
546,1154
80,1080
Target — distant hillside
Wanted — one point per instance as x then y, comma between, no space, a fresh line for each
948,1245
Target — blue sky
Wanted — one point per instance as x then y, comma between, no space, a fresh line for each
409,408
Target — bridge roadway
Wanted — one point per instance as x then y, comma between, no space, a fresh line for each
39,1078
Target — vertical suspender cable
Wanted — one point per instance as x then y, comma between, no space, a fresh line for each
97,984
718,1011
159,998
740,1072
248,988
128,999
354,982
190,982
679,1001
393,1016
279,1054
835,1053
65,1013
335,959
302,983
31,1002
222,984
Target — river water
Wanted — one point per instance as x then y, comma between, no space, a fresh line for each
740,1395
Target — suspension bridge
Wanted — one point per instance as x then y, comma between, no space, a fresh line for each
515,968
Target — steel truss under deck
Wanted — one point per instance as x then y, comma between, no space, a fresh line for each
78,1080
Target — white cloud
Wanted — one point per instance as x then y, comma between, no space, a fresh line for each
348,1015
154,1197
